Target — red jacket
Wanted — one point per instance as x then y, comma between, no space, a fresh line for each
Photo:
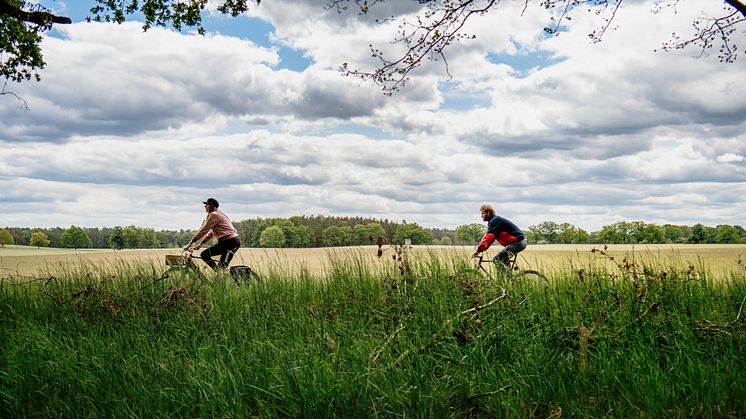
501,229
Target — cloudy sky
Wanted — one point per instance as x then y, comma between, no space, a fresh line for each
132,127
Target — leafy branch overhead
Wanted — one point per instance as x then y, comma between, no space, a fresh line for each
176,13
427,36
441,24
21,26
23,22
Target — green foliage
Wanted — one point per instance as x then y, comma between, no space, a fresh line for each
303,231
116,238
148,239
368,233
39,239
701,234
437,342
568,233
730,234
22,24
272,237
470,233
677,234
20,53
296,235
413,232
175,13
639,232
6,237
132,237
551,232
75,237
337,236
446,241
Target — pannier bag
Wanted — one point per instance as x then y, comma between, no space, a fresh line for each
241,273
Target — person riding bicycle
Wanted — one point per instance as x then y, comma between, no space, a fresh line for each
505,232
217,225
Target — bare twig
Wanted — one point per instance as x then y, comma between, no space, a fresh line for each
391,337
740,310
650,309
482,307
597,36
24,104
449,321
709,31
722,328
439,27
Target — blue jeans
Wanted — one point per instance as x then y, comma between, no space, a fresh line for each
508,252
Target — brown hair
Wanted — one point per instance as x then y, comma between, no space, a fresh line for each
487,208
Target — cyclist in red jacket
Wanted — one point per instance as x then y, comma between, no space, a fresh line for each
505,232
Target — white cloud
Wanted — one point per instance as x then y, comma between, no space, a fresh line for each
730,158
138,128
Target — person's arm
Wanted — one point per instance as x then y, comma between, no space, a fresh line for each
205,230
486,242
205,239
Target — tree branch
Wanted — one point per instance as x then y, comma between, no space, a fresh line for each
710,31
738,5
439,27
38,17
24,104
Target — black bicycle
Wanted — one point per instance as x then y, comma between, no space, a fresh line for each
184,265
511,271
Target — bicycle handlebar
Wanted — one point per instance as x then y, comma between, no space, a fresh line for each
189,254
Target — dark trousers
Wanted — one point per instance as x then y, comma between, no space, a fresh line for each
225,248
505,256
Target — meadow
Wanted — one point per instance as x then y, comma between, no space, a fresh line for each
19,262
421,333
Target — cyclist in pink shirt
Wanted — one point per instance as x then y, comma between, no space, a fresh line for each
216,225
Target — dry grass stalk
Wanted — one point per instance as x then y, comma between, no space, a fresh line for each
446,324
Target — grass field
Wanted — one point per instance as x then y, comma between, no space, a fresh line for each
423,336
29,262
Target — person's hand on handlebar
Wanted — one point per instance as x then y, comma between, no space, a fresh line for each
476,254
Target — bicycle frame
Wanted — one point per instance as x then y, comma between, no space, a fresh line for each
511,266
237,272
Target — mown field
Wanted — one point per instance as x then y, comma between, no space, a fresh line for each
654,333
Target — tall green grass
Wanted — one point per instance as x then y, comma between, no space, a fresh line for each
427,337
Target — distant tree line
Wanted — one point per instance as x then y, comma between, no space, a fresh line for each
622,232
129,237
636,232
324,231
299,231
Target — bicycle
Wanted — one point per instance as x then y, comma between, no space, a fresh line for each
511,271
184,265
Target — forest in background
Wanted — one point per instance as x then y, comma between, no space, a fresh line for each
326,231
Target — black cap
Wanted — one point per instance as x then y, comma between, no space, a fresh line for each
212,201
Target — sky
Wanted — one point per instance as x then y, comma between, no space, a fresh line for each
128,127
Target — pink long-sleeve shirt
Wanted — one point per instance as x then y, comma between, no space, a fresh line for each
216,224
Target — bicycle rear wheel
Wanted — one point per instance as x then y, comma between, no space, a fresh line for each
530,275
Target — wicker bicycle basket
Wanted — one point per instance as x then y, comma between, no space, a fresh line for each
174,260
